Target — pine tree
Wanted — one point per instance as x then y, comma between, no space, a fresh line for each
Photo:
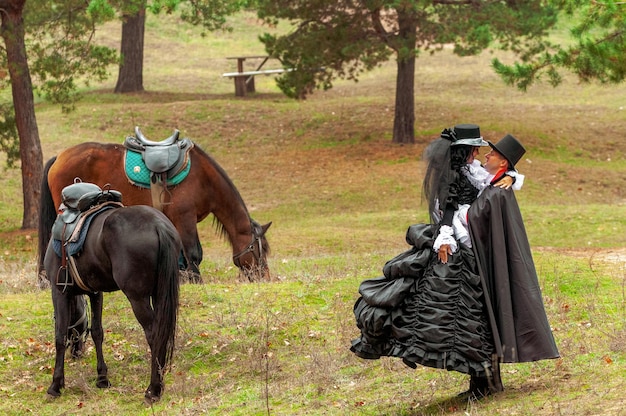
343,38
597,51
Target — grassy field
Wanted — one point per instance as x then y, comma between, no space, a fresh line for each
341,197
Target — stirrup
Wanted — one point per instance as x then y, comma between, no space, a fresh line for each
69,282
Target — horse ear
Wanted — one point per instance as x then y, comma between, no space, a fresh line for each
266,227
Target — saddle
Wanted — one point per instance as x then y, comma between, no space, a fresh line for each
77,200
81,202
169,156
154,165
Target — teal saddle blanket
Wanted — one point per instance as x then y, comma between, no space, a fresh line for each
138,174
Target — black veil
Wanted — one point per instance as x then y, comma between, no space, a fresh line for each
439,174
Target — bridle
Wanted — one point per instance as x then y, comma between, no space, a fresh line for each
255,247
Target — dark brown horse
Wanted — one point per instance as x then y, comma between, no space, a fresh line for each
132,249
206,190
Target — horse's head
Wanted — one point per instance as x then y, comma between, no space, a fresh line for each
252,260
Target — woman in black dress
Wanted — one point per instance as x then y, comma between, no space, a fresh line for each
429,307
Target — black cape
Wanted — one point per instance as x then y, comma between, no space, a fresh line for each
514,302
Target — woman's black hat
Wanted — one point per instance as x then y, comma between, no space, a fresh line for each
468,134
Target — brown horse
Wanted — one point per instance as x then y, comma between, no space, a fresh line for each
206,190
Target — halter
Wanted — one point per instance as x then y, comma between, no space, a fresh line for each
255,247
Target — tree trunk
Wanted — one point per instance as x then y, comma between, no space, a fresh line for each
404,117
130,78
23,101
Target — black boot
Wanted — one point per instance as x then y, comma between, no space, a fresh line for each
478,388
483,386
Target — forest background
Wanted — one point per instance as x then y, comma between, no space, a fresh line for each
341,196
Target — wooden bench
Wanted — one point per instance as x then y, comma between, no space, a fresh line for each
244,80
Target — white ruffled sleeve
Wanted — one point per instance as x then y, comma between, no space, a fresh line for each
519,179
446,236
459,224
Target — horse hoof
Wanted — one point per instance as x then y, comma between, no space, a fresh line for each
53,393
103,384
150,399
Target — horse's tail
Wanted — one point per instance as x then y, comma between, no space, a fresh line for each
166,294
47,215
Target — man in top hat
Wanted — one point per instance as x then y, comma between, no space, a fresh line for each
504,155
514,303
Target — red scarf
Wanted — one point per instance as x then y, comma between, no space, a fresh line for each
499,175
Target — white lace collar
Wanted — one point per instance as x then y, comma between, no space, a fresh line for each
477,175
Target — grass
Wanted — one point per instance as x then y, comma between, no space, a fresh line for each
287,342
340,196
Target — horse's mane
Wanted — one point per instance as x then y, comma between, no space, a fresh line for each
219,227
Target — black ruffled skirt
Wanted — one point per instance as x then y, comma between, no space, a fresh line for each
426,312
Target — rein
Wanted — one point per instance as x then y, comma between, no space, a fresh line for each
76,334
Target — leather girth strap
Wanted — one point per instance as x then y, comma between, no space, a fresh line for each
71,274
76,276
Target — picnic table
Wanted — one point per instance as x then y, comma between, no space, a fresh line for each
244,80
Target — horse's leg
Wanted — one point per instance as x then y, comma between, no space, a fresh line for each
61,303
145,315
97,334
192,249
195,257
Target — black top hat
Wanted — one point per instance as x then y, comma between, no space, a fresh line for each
468,134
510,148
